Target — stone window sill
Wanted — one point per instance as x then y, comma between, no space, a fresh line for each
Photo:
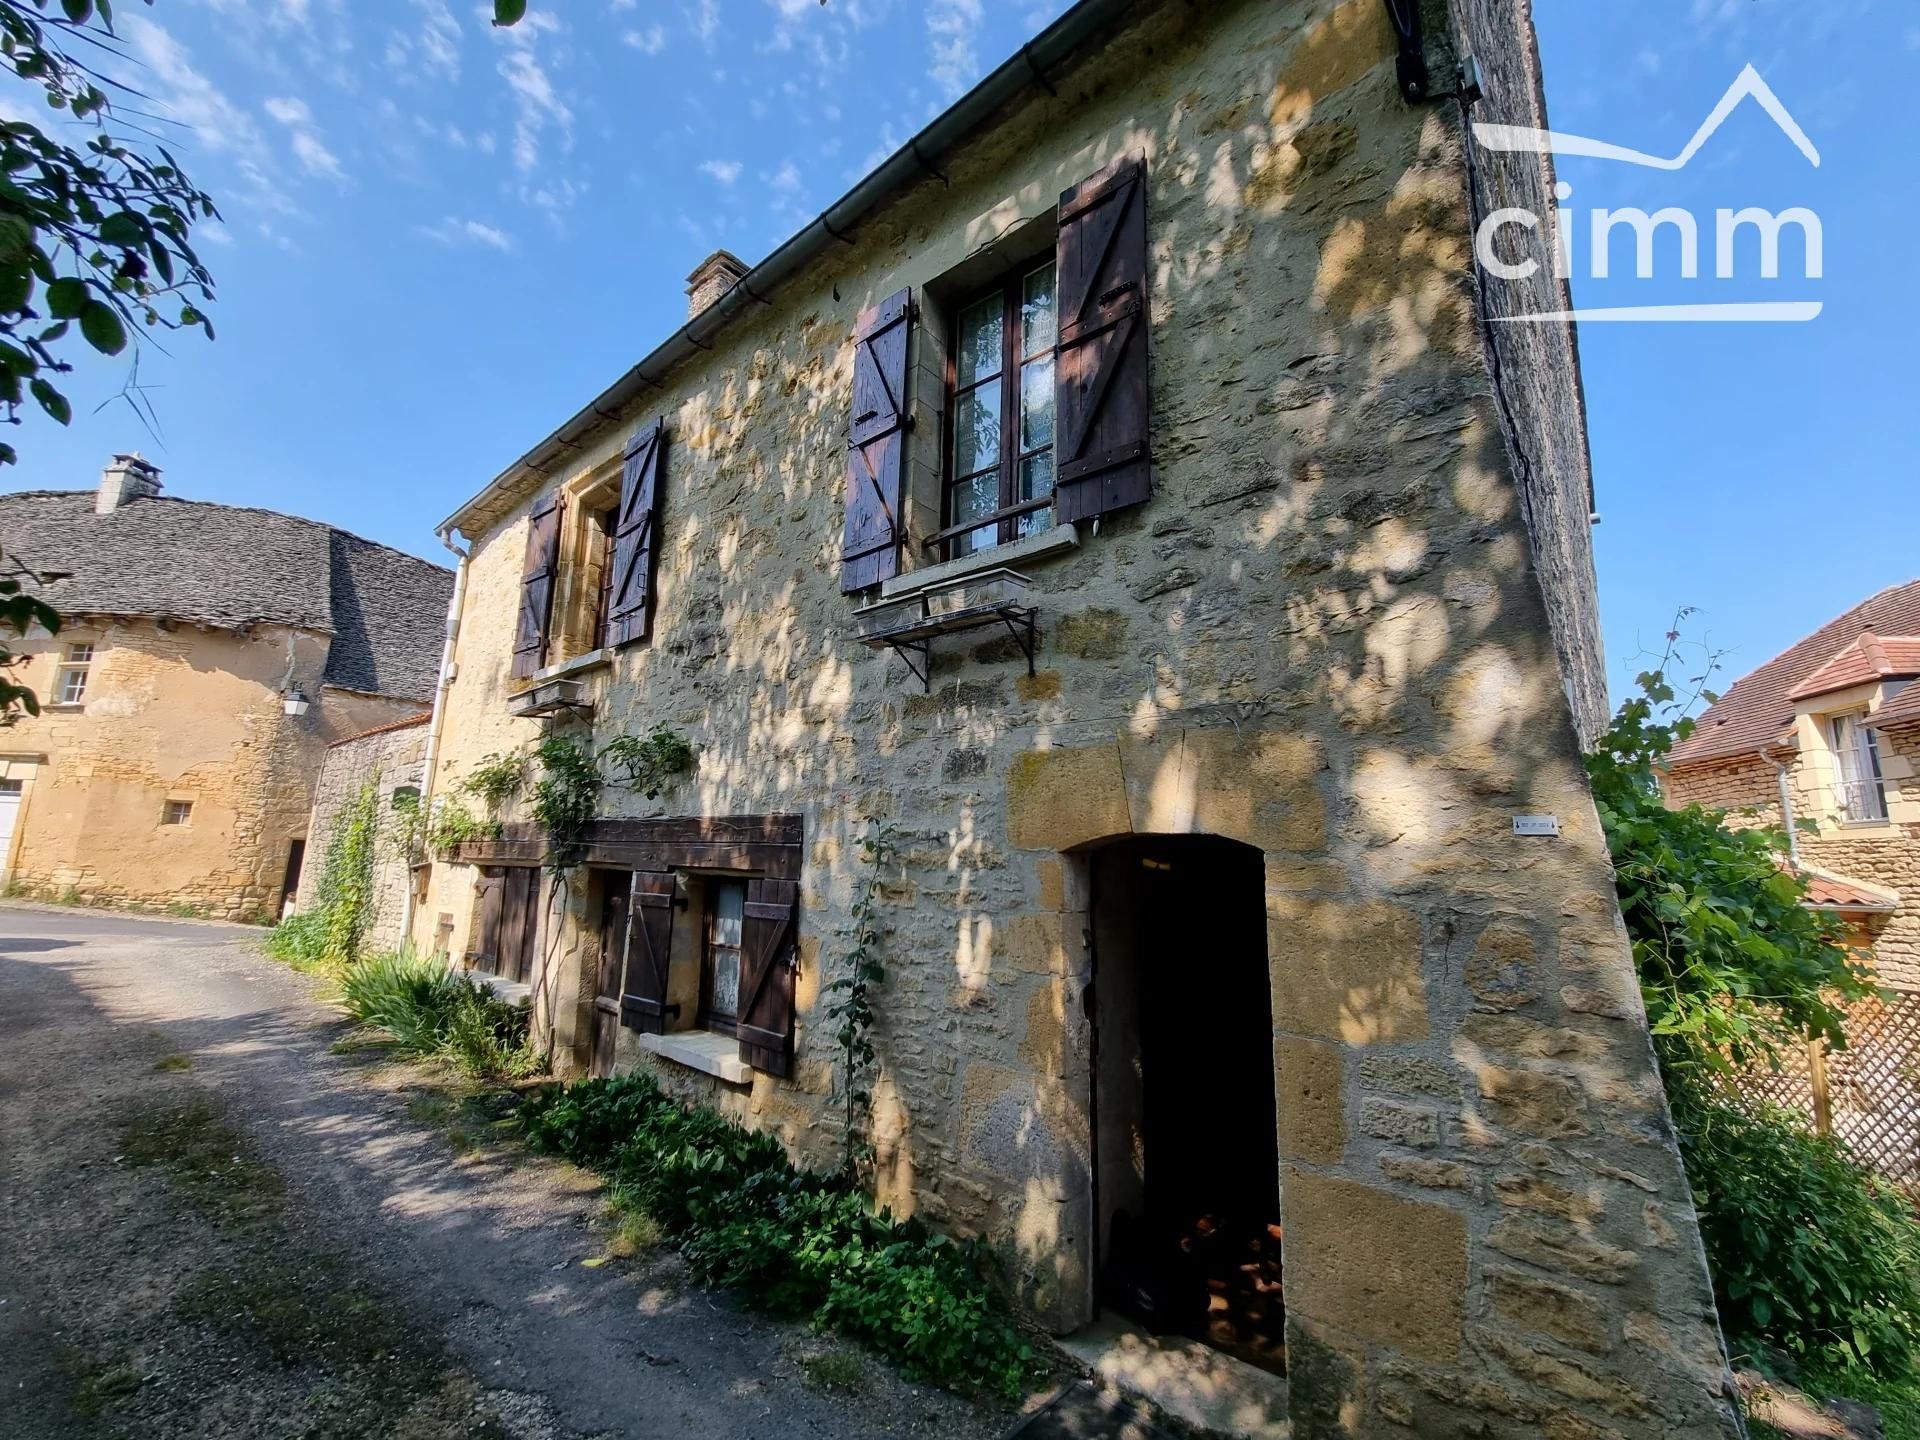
76,708
1040,546
578,665
511,991
702,1050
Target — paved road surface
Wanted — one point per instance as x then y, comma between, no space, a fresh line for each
398,1287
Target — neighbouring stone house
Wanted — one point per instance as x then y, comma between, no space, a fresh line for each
391,759
1825,739
208,655
1112,494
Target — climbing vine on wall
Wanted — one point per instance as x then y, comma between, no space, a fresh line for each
852,1010
648,763
565,797
328,934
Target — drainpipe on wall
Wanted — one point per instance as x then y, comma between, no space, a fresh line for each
430,761
1786,808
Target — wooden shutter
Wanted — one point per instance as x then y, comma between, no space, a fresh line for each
536,587
519,924
1102,397
489,904
876,445
767,964
630,609
644,1005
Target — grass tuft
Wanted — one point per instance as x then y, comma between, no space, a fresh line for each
209,1161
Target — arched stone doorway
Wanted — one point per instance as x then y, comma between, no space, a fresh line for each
1186,1166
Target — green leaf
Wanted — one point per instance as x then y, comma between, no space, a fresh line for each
102,326
52,401
508,12
123,228
78,11
67,297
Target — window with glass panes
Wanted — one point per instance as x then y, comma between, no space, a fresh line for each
1000,469
720,974
71,687
1856,748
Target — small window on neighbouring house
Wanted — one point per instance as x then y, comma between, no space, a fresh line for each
1001,441
70,688
178,812
1856,753
720,971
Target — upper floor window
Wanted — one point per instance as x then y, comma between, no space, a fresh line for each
70,687
600,527
178,812
1001,468
1856,751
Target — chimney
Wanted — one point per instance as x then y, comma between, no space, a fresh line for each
712,278
128,478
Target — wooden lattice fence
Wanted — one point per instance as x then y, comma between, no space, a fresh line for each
1867,1094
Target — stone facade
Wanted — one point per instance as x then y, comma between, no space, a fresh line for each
393,759
174,712
1885,855
1349,631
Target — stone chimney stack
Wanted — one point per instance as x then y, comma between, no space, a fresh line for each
712,278
128,478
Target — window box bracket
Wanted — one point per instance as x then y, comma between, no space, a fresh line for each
909,626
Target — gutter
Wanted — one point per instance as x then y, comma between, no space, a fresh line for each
1026,70
430,761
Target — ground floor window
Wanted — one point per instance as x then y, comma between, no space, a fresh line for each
720,966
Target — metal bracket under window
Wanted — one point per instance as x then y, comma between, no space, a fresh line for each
1412,64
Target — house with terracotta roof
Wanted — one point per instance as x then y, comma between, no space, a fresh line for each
1825,739
209,655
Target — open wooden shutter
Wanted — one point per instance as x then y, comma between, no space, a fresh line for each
630,610
489,906
536,587
644,1005
1104,463
876,445
767,963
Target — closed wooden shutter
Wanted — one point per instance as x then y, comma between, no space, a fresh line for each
489,904
1104,461
876,445
519,924
767,964
630,608
643,1006
536,587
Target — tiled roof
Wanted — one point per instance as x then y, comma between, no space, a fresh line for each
1835,892
1903,709
1867,659
1758,708
228,566
411,722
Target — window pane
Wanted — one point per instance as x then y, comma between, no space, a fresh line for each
73,686
1036,481
729,907
978,496
80,654
980,340
1038,327
726,981
976,431
1036,404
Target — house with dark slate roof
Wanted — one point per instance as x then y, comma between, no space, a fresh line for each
1825,739
210,654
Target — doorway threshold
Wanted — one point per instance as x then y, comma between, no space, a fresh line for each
1194,1383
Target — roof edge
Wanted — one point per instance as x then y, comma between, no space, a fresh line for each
1026,69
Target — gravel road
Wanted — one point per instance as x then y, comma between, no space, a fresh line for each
217,1225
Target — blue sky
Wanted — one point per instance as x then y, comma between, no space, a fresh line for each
441,239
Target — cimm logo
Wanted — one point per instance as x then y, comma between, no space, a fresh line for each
1559,228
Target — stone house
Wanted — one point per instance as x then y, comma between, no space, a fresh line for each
390,758
1121,495
208,655
1824,739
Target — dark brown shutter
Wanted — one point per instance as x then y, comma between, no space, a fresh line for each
1104,462
767,964
630,610
649,948
536,587
876,444
519,924
489,904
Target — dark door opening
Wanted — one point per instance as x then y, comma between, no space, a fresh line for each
1188,1167
290,881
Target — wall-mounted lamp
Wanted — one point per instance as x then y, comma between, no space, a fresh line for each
295,703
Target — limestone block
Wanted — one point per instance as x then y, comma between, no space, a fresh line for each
1058,799
1561,1250
1390,1271
1502,969
1549,1106
1415,1126
1311,1100
1346,970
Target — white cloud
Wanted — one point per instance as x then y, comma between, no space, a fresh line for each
537,103
454,231
786,179
951,28
289,110
650,41
706,20
431,50
725,171
308,148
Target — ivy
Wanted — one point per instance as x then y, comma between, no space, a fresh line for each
328,934
852,1011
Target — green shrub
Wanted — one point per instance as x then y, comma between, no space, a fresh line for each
789,1241
429,1010
1810,1251
299,940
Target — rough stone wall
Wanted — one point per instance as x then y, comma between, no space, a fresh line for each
1747,789
1324,637
1545,425
391,759
179,713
